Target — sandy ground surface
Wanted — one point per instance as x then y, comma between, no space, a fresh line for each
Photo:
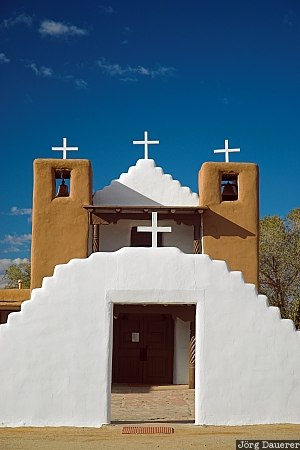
110,437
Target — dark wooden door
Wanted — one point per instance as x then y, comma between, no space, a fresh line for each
143,349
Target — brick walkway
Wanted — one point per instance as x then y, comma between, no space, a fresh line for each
136,404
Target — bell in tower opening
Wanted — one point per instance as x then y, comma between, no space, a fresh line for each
61,175
229,187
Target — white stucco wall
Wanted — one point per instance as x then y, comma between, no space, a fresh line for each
145,184
55,365
116,236
181,351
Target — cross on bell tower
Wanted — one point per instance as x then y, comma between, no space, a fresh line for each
227,150
64,148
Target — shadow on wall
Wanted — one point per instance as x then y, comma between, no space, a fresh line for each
119,194
219,226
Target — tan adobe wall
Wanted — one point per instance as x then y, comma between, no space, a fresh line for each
231,229
11,300
59,225
14,294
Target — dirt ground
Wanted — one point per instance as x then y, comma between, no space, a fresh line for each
110,437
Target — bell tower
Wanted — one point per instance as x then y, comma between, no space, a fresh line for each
231,224
59,222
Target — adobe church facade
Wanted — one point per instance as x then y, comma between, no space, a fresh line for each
79,224
225,229
146,282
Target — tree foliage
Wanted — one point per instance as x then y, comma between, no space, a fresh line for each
17,272
280,263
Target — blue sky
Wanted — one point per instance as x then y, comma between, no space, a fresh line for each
192,73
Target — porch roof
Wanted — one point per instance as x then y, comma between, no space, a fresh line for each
106,214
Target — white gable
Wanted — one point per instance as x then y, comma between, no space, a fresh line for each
143,185
55,369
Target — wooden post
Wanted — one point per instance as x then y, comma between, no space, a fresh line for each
192,356
197,240
95,244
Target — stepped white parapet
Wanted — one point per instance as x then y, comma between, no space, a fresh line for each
55,364
145,184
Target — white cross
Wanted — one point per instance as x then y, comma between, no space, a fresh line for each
145,142
227,150
154,229
64,148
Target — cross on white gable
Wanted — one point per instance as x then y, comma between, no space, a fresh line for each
227,150
154,229
64,148
145,142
